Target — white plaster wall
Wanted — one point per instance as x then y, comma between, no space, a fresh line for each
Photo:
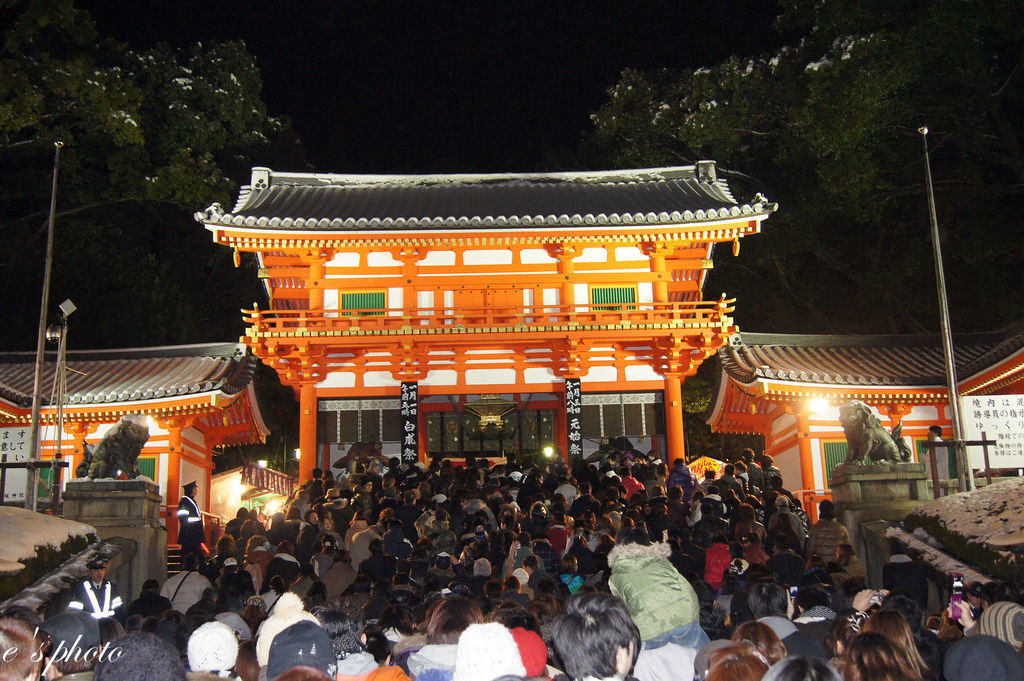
338,379
581,292
535,256
395,301
645,292
330,299
377,379
190,472
550,296
344,260
161,472
538,375
782,423
441,377
488,376
438,259
627,253
487,257
788,462
642,372
382,259
605,373
592,255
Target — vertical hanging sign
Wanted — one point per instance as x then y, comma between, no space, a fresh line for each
573,411
410,408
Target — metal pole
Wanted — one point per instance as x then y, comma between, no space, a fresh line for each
965,477
33,447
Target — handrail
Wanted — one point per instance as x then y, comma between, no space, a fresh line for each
524,318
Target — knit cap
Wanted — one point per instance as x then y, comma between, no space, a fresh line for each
140,657
1005,621
235,621
481,567
532,650
981,656
485,652
78,629
302,644
522,575
212,647
287,611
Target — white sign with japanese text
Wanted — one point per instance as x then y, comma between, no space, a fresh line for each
14,446
1000,418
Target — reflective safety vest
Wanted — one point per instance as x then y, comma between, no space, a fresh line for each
94,600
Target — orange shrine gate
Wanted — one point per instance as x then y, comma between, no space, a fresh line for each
411,309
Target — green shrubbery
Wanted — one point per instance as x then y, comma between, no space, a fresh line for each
47,558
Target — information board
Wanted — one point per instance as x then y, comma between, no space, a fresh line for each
1001,418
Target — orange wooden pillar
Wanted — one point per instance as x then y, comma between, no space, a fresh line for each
173,480
658,253
803,439
675,439
80,430
307,430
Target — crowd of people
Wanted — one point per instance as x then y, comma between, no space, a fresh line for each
619,567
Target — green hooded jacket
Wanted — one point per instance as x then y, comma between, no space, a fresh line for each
659,598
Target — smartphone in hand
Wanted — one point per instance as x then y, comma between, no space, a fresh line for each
956,597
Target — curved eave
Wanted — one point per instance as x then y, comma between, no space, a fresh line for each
788,391
177,405
297,224
253,238
1004,373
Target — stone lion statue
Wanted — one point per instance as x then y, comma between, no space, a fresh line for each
866,439
117,454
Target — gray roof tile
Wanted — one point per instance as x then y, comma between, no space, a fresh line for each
326,202
863,360
134,374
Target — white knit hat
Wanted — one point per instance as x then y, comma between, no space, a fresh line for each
485,652
212,647
288,610
522,575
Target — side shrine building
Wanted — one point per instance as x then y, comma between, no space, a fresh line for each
196,399
487,314
788,388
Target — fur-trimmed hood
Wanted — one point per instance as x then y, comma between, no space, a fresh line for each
659,550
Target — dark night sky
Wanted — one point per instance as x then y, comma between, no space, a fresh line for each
442,86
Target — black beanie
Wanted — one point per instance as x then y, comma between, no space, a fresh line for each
140,657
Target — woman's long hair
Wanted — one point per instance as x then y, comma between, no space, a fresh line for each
893,625
873,657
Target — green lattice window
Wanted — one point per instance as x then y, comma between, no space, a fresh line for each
365,300
612,298
835,454
147,467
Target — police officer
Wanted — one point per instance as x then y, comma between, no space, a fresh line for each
97,595
191,534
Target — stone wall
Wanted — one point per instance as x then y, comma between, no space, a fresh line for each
128,509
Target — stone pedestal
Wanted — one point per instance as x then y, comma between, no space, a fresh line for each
882,491
128,509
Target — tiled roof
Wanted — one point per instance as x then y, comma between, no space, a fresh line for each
863,360
129,375
325,202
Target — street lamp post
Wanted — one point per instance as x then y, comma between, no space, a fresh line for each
965,477
33,443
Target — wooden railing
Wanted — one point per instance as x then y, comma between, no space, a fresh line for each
702,314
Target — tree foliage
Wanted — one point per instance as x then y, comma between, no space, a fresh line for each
150,136
827,127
